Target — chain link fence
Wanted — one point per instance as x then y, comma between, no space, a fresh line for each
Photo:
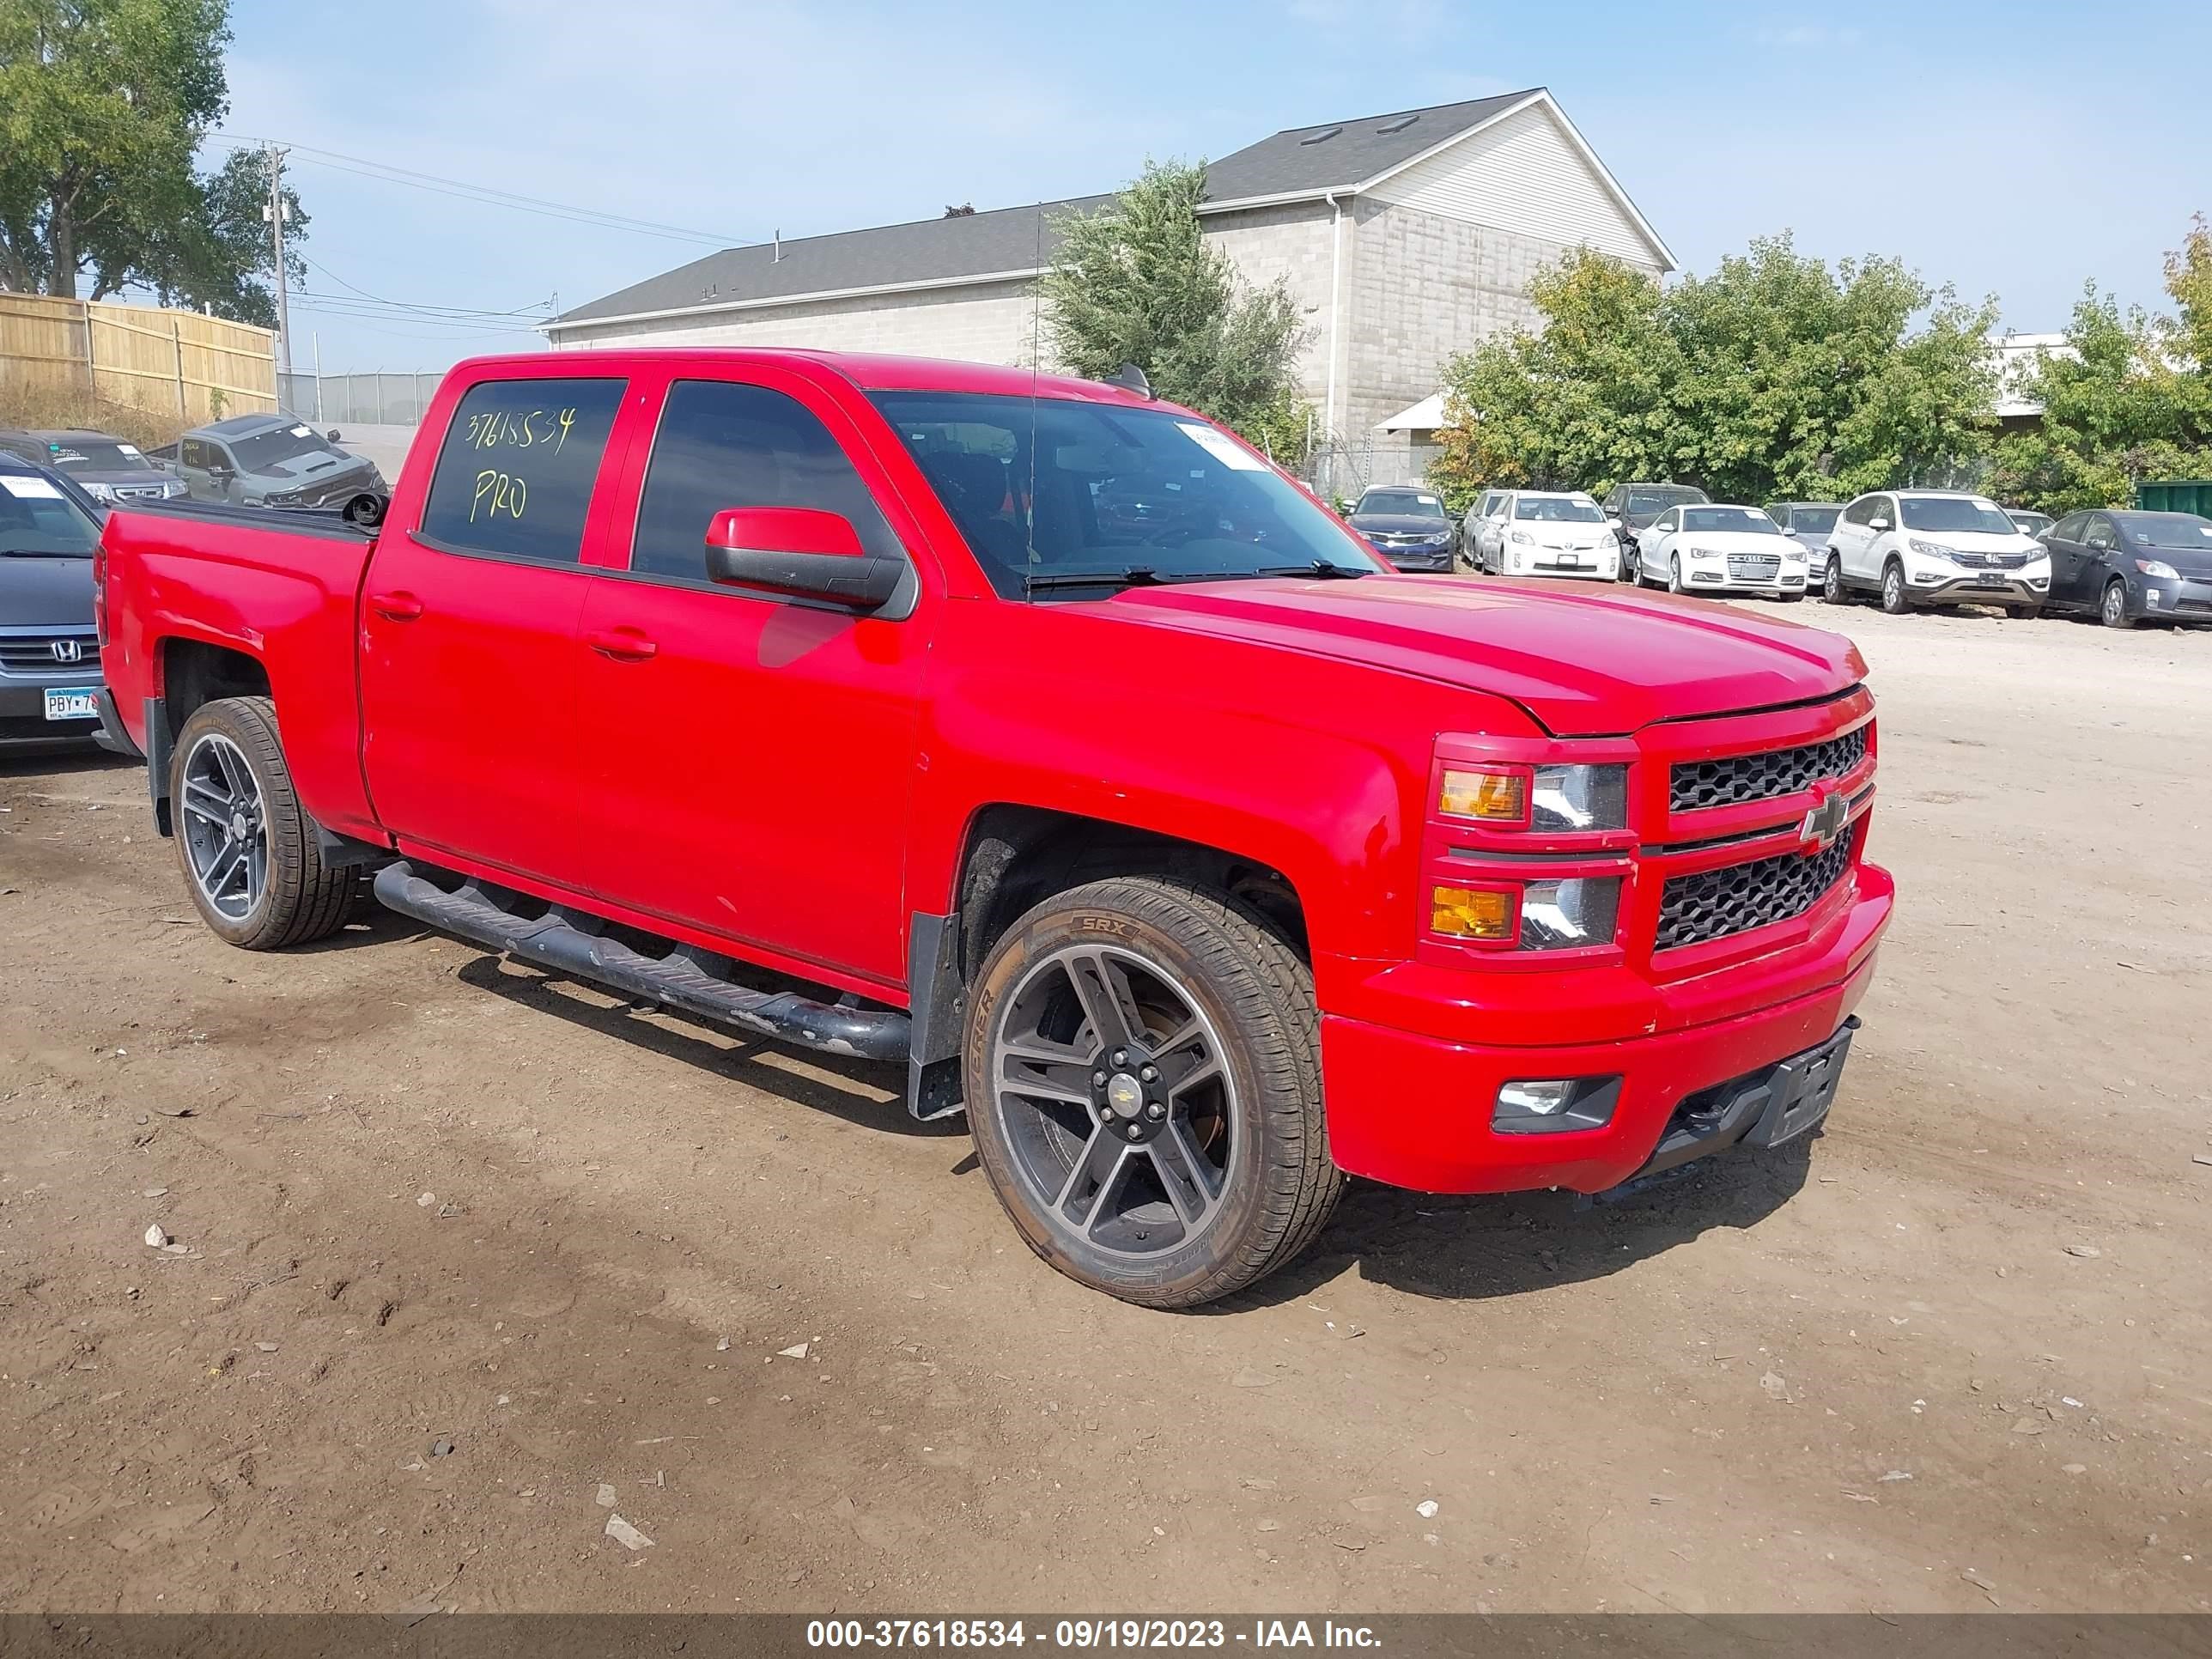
380,399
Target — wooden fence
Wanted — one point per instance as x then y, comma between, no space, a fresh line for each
170,362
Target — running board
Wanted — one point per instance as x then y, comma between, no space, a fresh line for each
569,942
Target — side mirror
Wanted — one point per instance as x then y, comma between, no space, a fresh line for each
220,473
798,552
1877,524
332,434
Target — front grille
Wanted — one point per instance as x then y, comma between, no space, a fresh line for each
1991,560
1754,567
35,655
1717,903
1739,778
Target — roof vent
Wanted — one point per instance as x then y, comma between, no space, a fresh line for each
1398,125
1321,137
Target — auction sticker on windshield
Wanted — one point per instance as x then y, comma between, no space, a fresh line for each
1222,447
29,489
75,703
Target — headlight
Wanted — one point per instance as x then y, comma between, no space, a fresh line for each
1521,536
282,498
1931,549
2158,567
1704,553
1565,915
100,492
1547,799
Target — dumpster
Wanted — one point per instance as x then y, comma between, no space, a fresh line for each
2194,496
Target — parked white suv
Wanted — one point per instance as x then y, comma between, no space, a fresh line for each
1549,533
1929,547
1709,549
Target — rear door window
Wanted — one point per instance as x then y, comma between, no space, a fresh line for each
515,472
724,444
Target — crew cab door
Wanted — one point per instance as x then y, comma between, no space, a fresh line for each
468,623
747,760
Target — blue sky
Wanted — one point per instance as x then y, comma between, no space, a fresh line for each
2014,151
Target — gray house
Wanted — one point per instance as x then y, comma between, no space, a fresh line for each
1405,238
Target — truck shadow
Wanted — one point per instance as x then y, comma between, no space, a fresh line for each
1479,1248
852,1090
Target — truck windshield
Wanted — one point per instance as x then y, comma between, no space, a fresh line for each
1060,491
264,450
38,521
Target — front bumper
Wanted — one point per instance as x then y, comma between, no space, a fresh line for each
1413,1109
23,722
1715,579
2184,600
1948,586
1420,560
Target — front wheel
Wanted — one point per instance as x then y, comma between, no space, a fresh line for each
1143,1076
250,857
1674,573
2112,609
1892,589
1831,583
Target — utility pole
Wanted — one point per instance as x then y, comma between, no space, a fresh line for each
274,213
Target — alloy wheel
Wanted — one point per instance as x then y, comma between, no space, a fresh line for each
225,827
1113,1092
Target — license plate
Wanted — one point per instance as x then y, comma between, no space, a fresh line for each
1988,582
1560,564
1804,1088
75,703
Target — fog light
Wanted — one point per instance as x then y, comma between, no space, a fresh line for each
1482,912
1537,1106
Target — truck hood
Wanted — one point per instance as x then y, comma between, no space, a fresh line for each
1585,662
44,592
312,468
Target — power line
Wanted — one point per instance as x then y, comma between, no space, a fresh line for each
339,162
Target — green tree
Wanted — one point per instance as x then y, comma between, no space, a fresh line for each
1136,283
2130,398
1773,376
103,106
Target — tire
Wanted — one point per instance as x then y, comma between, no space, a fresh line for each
1674,573
1832,591
2023,612
2113,605
1792,598
250,861
1893,601
1158,1230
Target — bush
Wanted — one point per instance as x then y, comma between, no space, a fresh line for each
36,410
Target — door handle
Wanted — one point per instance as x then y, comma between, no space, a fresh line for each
401,606
622,644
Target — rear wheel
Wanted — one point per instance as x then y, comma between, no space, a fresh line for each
1143,1081
1892,588
2112,609
249,852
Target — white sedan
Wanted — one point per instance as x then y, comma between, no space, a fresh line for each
1545,532
1719,550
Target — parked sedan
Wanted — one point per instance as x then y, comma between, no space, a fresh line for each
1808,525
1549,533
2028,523
1482,533
108,468
49,650
1409,527
1720,549
2124,566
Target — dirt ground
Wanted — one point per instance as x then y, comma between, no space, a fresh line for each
472,1259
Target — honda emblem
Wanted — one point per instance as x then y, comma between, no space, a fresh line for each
67,650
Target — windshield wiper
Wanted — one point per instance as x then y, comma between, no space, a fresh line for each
41,553
1136,575
1318,568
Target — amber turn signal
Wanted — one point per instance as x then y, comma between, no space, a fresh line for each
1472,912
1497,796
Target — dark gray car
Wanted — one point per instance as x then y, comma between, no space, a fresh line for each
1406,525
271,460
108,468
1808,523
2124,565
49,647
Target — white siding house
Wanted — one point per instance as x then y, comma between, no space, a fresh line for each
1404,238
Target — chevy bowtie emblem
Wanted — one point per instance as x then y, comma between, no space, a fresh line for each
67,650
1824,824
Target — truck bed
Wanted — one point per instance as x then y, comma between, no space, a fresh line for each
282,589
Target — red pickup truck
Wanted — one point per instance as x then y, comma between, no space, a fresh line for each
1048,739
